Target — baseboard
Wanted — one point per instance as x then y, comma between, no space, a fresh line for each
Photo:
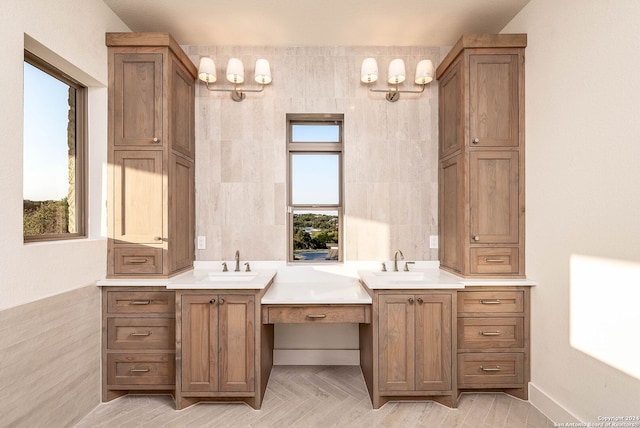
549,406
316,357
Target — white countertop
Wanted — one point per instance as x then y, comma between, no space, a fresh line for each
321,293
335,283
204,279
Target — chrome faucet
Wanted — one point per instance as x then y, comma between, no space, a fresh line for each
237,269
395,260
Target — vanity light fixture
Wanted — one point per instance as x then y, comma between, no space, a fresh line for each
397,75
235,75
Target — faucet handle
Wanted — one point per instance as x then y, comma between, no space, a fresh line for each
384,267
224,267
406,265
247,267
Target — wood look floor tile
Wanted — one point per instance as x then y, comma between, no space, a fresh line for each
318,397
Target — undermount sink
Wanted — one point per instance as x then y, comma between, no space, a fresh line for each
419,279
231,276
400,276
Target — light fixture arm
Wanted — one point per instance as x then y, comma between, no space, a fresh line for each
237,94
393,94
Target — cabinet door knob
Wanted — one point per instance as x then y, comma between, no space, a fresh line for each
222,301
475,141
420,300
156,140
157,238
476,238
212,301
411,300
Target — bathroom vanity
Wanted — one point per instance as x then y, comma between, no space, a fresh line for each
208,335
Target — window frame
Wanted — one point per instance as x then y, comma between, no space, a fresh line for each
81,118
317,148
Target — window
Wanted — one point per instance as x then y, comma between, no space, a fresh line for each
54,146
314,145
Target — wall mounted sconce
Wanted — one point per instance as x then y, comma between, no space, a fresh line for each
397,75
235,75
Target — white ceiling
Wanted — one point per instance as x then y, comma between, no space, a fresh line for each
317,22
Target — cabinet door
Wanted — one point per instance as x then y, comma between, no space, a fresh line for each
450,110
433,342
137,99
182,104
137,198
493,198
181,213
237,342
493,100
451,214
199,334
396,342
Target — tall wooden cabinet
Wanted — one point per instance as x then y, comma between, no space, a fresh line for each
151,153
481,150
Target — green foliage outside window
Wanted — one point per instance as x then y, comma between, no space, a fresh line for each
46,217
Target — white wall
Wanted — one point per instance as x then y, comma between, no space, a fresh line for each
583,205
71,34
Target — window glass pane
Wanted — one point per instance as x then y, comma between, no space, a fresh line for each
314,179
315,235
49,154
314,133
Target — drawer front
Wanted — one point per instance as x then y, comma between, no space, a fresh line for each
141,302
511,302
141,333
490,333
494,261
317,314
141,369
490,370
137,261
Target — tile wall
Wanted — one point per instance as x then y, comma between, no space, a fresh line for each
390,153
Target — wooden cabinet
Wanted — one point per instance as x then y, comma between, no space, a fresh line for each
151,203
223,349
414,347
138,340
481,174
217,343
493,340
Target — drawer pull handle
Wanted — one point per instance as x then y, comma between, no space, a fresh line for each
136,261
316,316
140,302
148,333
490,333
490,302
494,260
490,369
140,370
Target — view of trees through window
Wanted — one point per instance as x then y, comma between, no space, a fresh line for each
315,236
314,145
52,162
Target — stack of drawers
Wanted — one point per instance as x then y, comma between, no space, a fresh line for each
493,339
138,339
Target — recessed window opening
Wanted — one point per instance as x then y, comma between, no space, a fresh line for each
314,145
54,146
